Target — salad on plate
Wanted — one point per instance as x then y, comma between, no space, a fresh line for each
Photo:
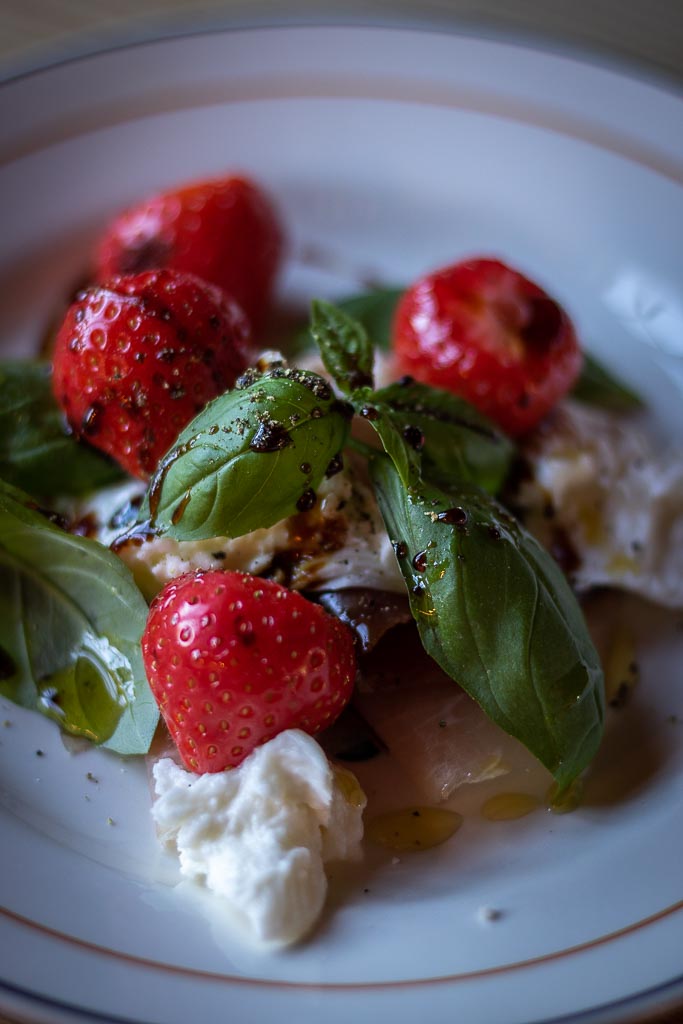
283,572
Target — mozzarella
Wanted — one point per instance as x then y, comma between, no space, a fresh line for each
259,835
618,502
340,543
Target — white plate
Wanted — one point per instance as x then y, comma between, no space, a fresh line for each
391,152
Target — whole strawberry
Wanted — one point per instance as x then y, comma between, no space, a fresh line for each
482,330
225,231
234,660
137,358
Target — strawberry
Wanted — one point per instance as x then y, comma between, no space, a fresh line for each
232,660
224,231
137,358
484,331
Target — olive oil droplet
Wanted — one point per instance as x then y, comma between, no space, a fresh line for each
349,786
509,806
415,828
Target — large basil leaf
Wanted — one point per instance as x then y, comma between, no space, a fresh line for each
71,619
346,350
455,442
495,611
37,453
252,457
597,386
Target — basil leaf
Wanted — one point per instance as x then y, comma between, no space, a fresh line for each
389,428
37,453
344,345
496,613
375,311
455,442
597,386
71,619
253,456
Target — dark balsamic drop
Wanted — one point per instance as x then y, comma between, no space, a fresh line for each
420,561
92,420
270,437
335,466
179,510
369,412
307,500
453,516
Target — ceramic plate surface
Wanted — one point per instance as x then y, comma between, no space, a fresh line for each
389,152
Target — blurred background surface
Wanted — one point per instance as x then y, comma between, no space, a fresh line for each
645,33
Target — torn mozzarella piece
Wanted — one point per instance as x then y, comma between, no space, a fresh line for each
598,484
259,835
103,513
157,560
341,542
363,555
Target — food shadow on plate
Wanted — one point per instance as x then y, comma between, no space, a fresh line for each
644,716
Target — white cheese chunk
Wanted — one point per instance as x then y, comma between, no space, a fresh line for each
618,501
260,834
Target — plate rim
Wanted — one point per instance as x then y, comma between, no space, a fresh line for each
632,1009
250,15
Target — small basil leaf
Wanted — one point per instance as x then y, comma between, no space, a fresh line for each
439,436
71,619
344,345
497,614
37,453
375,311
597,386
253,456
